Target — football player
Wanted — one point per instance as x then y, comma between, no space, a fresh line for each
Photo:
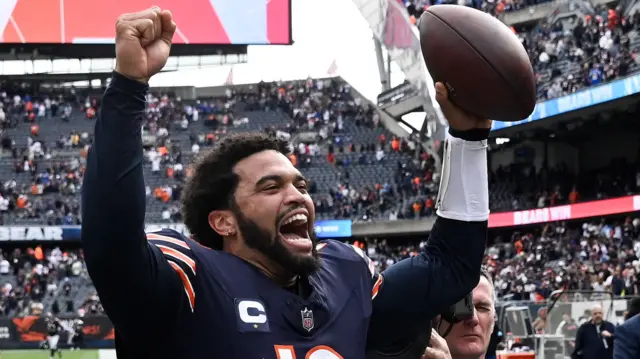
54,327
76,335
253,281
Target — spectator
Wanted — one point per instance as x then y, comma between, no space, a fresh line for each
594,339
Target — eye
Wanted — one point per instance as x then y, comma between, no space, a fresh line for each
302,187
270,187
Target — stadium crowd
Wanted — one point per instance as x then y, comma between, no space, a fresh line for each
37,280
522,186
416,7
600,255
46,175
41,175
596,50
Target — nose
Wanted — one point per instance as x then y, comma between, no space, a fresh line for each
293,196
473,321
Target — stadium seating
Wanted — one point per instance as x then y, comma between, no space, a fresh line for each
527,265
416,7
345,162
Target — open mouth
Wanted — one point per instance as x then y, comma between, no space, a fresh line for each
294,231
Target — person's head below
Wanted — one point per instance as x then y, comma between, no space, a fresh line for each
469,339
597,314
542,313
245,197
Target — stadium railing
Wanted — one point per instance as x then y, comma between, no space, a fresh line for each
564,312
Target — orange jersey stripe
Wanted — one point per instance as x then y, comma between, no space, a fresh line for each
158,237
178,256
376,287
191,295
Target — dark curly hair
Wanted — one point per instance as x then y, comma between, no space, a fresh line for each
213,182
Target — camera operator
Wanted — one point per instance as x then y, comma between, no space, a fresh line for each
468,327
464,331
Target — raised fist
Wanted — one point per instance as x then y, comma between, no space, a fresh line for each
143,42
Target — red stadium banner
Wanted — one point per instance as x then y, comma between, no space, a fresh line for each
30,331
565,213
217,22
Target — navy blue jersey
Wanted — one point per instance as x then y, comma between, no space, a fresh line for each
169,297
248,306
53,326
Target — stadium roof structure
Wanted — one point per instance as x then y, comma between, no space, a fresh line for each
32,51
59,77
220,90
30,54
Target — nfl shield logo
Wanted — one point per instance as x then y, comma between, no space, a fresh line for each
307,319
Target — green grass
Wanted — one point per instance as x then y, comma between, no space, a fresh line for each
44,354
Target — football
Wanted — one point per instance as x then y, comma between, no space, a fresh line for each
481,61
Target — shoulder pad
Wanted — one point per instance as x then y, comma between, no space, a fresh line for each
167,232
347,251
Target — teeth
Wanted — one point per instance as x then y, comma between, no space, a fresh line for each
297,217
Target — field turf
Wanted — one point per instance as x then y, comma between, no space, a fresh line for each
66,354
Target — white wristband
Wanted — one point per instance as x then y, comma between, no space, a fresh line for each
464,183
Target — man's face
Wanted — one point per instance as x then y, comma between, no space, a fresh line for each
274,212
596,315
470,338
542,313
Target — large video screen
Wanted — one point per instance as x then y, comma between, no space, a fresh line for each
246,22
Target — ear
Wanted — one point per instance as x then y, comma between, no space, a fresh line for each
223,222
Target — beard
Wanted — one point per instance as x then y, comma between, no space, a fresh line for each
272,247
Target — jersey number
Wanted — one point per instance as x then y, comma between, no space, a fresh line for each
317,352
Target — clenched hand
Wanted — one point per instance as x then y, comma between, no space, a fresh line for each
143,43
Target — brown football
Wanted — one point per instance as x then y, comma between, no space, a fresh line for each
480,60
